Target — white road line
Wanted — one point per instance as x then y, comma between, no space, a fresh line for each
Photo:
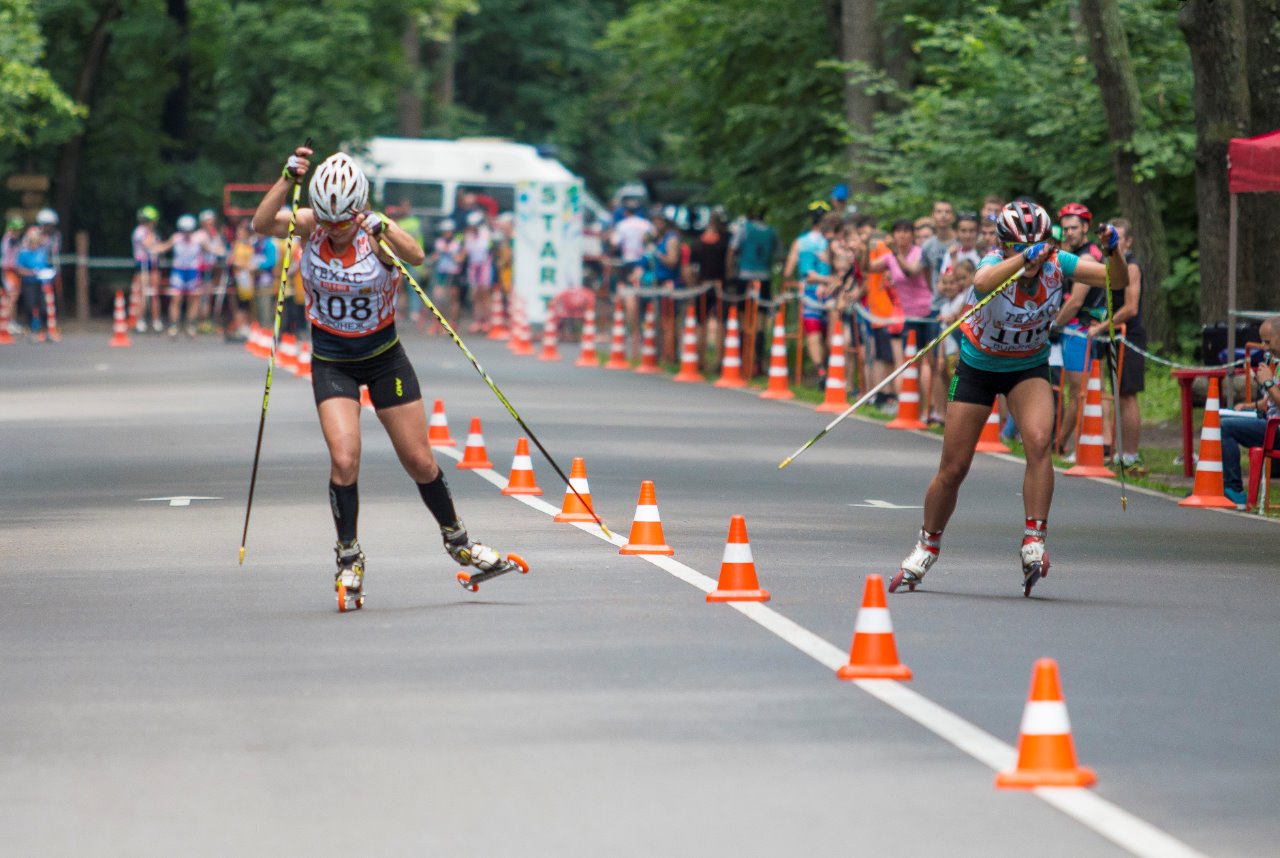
1088,808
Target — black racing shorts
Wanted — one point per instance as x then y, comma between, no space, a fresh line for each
1133,372
882,344
980,386
388,375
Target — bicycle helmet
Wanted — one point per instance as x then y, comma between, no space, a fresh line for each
339,189
1079,210
148,213
186,223
47,217
207,214
15,224
1022,222
446,225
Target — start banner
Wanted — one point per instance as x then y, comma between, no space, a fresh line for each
548,251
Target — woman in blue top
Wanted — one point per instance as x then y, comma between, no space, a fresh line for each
1005,350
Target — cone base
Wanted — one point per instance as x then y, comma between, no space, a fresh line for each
590,361
832,407
688,377
498,334
547,357
574,516
648,369
990,447
522,490
731,382
777,394
115,342
442,442
738,596
1208,502
1088,471
523,351
898,423
874,671
631,548
474,466
617,364
1032,778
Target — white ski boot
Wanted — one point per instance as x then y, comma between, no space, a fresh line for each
918,562
1035,564
349,580
470,553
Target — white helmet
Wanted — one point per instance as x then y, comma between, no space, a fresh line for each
186,223
208,215
47,217
339,189
446,225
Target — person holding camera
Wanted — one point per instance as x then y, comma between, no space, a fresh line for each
1244,431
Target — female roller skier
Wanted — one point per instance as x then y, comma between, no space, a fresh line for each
1005,350
351,288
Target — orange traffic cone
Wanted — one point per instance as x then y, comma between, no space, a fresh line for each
135,301
989,441
835,399
574,509
497,317
648,344
51,314
731,366
438,429
1208,488
738,581
909,397
646,528
778,387
549,341
119,324
1046,754
587,357
288,352
522,481
475,455
618,348
689,350
304,360
365,401
874,655
1090,458
6,309
521,342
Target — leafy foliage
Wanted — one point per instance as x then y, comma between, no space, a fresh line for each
33,108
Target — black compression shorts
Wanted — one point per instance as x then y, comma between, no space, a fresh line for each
388,375
980,386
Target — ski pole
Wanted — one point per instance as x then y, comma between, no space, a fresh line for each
1115,391
271,357
457,340
903,367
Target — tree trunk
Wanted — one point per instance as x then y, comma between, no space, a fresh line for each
67,176
1260,213
410,95
1109,50
859,42
442,59
1215,32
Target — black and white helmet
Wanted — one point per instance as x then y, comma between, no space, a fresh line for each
1023,222
339,189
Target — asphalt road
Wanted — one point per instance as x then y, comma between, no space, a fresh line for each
158,699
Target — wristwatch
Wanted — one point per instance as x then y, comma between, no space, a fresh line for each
1266,386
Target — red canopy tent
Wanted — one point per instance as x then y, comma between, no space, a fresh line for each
1253,167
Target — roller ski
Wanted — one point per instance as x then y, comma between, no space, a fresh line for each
1035,564
918,562
488,562
349,580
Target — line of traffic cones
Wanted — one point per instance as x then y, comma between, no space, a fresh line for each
51,315
908,416
497,317
1090,455
1208,492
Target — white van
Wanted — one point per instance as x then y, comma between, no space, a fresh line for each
430,175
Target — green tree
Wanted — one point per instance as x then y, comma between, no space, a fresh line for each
34,110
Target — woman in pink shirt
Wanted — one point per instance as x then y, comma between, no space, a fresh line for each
906,276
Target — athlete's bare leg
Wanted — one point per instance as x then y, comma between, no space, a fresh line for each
964,425
340,423
1031,402
406,425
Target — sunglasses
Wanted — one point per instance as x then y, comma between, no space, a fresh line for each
335,225
1019,246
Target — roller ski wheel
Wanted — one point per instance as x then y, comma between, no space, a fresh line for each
471,580
903,577
1035,565
349,600
914,568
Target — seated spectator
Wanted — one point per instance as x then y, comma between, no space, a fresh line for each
1246,431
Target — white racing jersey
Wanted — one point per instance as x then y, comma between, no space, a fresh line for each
1016,323
187,250
352,295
